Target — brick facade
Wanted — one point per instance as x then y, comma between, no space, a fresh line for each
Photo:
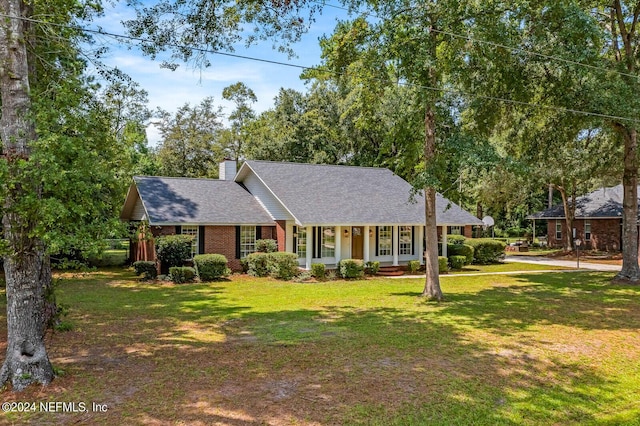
281,234
605,234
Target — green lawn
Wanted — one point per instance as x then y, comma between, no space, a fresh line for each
540,348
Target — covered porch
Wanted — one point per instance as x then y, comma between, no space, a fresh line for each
389,244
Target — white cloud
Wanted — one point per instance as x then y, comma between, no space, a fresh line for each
170,89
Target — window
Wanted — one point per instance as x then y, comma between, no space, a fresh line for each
587,230
247,240
301,246
328,241
406,240
455,230
558,230
193,232
385,244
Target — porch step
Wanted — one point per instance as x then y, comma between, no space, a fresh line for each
390,271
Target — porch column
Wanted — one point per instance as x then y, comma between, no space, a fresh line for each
420,246
395,245
366,243
444,241
289,238
310,244
338,248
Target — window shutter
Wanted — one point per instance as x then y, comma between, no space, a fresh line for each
377,242
413,241
295,239
178,229
314,238
237,242
258,232
393,240
201,240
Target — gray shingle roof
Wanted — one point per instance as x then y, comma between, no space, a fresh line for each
328,194
198,201
602,203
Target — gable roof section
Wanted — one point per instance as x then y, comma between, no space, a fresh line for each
317,194
194,201
600,204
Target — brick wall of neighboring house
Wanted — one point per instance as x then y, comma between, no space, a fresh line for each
605,234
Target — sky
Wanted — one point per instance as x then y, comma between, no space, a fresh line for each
171,89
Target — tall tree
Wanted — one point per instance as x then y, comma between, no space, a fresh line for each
242,97
25,263
57,183
404,41
542,69
190,145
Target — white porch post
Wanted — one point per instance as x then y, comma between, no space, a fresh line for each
310,244
366,244
420,249
444,241
338,248
395,245
289,240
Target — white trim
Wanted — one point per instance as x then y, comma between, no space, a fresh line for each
247,165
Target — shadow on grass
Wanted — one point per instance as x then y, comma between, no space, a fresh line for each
197,354
584,300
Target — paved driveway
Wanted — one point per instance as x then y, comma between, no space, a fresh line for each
567,263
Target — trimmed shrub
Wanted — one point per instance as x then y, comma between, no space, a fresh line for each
372,267
283,265
458,262
211,267
318,270
182,274
266,246
486,250
146,269
173,250
258,264
413,266
443,264
455,239
351,268
461,250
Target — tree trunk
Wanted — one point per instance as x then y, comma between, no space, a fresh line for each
630,271
569,215
27,270
432,283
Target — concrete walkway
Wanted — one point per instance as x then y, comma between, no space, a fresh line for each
587,266
566,263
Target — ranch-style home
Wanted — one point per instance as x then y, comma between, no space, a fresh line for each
324,213
598,220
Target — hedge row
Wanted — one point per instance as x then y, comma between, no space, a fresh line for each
208,267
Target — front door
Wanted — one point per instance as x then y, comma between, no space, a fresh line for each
357,242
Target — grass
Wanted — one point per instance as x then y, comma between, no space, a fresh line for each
540,348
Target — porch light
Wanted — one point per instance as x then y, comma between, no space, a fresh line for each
346,233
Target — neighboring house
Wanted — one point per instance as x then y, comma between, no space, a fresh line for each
323,213
598,220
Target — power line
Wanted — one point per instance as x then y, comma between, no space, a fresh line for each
303,67
494,44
